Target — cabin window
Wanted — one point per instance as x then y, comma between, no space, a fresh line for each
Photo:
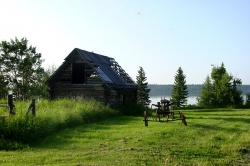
78,73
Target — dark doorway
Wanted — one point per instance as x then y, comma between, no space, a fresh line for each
124,100
78,73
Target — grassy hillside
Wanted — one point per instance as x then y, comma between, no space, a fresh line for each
212,137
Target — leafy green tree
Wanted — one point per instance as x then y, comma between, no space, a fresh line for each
206,94
50,70
179,91
21,67
225,88
43,88
236,95
3,85
224,92
143,91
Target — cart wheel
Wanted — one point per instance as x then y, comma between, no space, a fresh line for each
183,118
145,118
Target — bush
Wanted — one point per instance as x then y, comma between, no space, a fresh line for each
20,130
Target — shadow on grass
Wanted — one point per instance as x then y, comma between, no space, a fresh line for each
215,110
209,127
63,138
228,118
231,119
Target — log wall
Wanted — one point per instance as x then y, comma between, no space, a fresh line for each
95,91
93,86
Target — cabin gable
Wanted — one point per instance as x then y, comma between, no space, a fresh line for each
92,75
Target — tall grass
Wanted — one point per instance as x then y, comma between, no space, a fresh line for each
19,131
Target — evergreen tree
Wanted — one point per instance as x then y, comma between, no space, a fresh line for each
206,94
21,67
179,92
143,91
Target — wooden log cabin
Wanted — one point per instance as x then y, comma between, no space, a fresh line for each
91,75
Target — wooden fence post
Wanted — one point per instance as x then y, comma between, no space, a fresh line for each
32,107
10,104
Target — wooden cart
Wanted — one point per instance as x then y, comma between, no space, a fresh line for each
163,113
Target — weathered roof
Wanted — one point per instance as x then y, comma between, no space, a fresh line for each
107,68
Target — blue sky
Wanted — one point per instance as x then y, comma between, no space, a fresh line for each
160,36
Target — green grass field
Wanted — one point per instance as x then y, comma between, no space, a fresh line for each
212,137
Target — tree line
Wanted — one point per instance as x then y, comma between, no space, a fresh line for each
179,90
21,71
220,89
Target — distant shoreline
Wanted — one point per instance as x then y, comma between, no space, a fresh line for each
193,89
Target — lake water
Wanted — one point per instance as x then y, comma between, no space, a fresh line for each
190,99
155,99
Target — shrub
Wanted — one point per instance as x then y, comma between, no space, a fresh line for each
20,130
